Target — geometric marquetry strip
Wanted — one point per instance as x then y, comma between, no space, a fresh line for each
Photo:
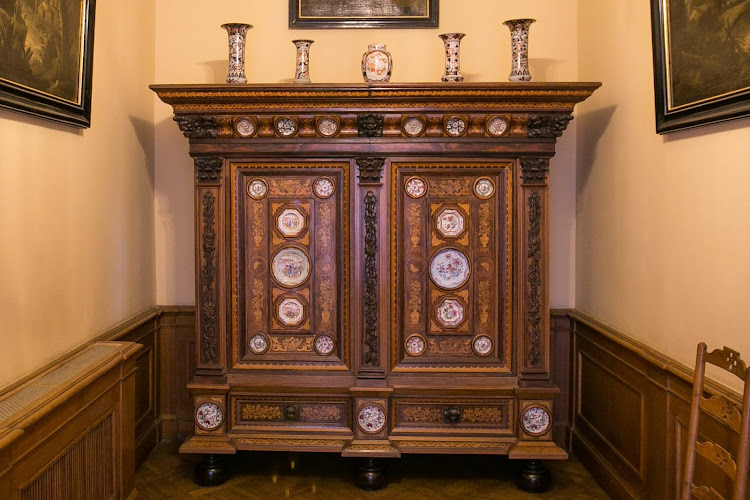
718,456
704,493
723,409
24,398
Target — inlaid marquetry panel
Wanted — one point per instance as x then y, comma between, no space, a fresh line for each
452,266
451,415
274,413
290,265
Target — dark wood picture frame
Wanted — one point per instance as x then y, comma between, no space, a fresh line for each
60,90
695,52
299,19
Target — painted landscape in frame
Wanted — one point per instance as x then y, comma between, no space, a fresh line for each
363,13
701,61
46,48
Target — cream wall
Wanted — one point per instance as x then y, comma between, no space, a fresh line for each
77,252
191,48
663,222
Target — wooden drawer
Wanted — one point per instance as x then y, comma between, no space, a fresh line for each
275,413
446,415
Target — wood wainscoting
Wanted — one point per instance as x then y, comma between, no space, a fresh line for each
629,408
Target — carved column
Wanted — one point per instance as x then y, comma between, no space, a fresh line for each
534,266
370,362
210,325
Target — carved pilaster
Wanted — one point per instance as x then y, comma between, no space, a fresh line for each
534,301
534,170
371,353
548,125
209,300
198,127
370,170
370,125
208,170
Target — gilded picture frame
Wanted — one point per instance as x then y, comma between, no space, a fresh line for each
701,55
46,49
316,14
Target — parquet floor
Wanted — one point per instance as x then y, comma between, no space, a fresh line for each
269,476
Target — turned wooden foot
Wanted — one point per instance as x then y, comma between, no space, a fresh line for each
210,471
371,474
535,477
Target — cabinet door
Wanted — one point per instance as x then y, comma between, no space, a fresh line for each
290,270
451,266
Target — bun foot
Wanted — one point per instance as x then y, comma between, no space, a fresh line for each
210,471
371,474
535,477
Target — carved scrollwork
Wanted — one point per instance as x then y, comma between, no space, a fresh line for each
548,125
371,355
370,125
208,170
534,170
208,281
198,127
534,312
370,170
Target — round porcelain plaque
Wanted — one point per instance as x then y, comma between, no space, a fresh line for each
497,126
324,345
415,345
286,127
257,189
209,416
371,419
413,126
323,187
536,420
482,345
415,187
484,188
245,127
258,344
290,267
449,268
455,126
327,127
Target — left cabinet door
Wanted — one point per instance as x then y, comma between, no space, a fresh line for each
289,269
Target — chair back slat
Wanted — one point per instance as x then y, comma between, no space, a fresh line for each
719,457
724,410
728,359
704,493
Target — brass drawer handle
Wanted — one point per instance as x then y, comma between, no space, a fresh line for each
452,415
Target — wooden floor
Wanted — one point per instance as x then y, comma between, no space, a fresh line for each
267,476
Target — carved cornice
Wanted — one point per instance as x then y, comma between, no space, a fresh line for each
198,127
208,170
551,125
534,170
370,125
208,281
534,303
370,170
371,354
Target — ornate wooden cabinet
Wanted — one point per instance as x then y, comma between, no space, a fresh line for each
372,266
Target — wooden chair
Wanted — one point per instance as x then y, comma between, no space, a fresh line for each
727,413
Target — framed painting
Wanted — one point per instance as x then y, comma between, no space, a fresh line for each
363,13
701,61
46,49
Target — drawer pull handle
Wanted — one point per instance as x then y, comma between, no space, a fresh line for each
291,412
452,415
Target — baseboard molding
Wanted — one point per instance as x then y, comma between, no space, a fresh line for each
629,410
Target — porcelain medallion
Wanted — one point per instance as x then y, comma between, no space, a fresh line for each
371,419
449,268
482,345
450,313
258,344
415,345
415,187
257,189
291,267
323,187
450,223
324,345
484,188
291,312
245,127
290,222
535,420
209,416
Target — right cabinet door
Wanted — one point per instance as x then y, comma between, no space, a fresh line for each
451,251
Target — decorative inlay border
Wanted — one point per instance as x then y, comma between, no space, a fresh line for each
454,444
371,356
208,281
534,313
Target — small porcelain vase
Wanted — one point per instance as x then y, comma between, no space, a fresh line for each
519,43
452,43
376,64
237,32
302,71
